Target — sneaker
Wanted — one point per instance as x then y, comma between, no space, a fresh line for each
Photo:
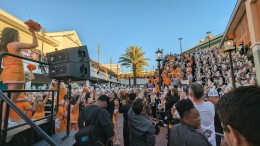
117,143
154,119
11,124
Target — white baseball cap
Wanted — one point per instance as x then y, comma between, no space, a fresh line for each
213,92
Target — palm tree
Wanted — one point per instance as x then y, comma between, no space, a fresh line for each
134,58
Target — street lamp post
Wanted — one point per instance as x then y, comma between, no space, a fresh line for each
208,36
159,57
229,47
180,46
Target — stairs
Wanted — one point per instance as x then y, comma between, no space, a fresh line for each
60,139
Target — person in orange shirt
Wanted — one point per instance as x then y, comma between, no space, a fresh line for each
164,72
24,106
39,103
13,73
62,115
166,80
75,110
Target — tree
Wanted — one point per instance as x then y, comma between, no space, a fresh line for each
134,58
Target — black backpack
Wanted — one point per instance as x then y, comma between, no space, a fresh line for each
88,135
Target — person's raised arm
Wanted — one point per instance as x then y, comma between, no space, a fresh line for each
46,98
33,45
32,77
79,99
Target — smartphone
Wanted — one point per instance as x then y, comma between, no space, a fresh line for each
207,134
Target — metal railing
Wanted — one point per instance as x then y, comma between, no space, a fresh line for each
17,110
17,56
22,115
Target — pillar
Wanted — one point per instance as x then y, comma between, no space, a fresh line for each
254,30
256,55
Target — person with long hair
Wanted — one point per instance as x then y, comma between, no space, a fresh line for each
75,101
13,73
39,103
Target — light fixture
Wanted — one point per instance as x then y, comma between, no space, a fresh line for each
229,45
159,55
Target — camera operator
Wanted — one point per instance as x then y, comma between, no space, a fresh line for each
141,129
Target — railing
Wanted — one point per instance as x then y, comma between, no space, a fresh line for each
22,115
18,111
17,56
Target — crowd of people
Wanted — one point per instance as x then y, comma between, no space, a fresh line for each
197,98
210,68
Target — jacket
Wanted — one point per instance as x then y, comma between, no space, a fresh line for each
185,135
141,130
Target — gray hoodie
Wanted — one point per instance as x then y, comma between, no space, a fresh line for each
141,130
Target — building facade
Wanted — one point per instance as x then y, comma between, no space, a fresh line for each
206,43
244,26
47,42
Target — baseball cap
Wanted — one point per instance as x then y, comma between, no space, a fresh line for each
213,92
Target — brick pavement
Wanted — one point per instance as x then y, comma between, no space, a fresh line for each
160,139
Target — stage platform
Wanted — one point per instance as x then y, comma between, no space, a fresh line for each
60,139
26,136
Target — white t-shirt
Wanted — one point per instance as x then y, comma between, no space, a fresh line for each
207,113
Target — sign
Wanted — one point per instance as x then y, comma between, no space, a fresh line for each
32,54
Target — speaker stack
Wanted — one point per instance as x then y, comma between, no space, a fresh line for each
71,63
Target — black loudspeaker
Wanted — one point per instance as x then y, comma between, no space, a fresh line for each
75,54
71,70
71,63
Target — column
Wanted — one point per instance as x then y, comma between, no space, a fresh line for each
254,30
256,55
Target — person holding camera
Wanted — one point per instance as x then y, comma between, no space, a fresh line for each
141,129
124,109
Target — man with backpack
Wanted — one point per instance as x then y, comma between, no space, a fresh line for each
96,128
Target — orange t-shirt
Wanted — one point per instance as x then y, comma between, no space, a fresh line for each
22,106
39,113
167,80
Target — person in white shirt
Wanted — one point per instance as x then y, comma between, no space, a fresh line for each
207,112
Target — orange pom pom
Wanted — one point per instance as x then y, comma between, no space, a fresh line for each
31,67
32,24
85,89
